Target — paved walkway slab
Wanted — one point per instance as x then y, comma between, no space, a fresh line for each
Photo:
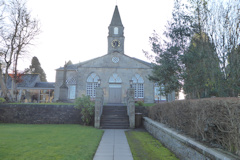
113,146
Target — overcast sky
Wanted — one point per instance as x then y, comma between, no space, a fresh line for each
77,30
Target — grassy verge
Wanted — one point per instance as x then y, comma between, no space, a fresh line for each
146,147
48,142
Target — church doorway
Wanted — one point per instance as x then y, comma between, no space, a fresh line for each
115,93
115,89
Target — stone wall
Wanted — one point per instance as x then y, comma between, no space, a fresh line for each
182,146
39,114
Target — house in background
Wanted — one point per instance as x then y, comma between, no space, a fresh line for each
31,89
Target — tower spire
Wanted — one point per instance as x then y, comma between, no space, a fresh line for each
115,34
116,19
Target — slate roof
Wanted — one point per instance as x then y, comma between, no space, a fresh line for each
45,85
30,81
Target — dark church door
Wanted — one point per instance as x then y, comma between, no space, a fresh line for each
115,93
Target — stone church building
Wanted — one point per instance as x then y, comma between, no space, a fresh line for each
115,72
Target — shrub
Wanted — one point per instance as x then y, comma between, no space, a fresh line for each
86,106
2,100
213,120
140,103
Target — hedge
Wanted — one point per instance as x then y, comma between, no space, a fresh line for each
215,121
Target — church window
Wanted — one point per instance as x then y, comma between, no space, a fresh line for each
71,83
115,30
138,85
115,59
92,84
72,91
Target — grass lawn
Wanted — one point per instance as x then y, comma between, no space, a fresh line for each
146,147
48,142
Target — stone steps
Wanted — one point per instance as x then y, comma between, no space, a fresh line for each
114,117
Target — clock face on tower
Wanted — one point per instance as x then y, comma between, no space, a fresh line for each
115,43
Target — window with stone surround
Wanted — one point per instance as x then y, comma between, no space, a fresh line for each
71,91
138,85
92,84
71,83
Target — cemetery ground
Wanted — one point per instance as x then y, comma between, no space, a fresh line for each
48,142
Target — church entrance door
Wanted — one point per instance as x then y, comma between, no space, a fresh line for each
115,93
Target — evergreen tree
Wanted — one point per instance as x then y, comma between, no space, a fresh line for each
168,68
202,75
233,73
200,49
36,68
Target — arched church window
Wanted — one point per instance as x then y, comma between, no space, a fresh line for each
71,83
138,85
92,84
115,30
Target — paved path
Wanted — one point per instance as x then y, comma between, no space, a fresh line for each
113,146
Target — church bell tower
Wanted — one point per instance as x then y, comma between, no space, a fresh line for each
115,34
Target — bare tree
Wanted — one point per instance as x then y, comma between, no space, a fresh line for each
224,28
2,83
17,34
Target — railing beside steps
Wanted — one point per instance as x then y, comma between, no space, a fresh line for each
131,107
98,107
